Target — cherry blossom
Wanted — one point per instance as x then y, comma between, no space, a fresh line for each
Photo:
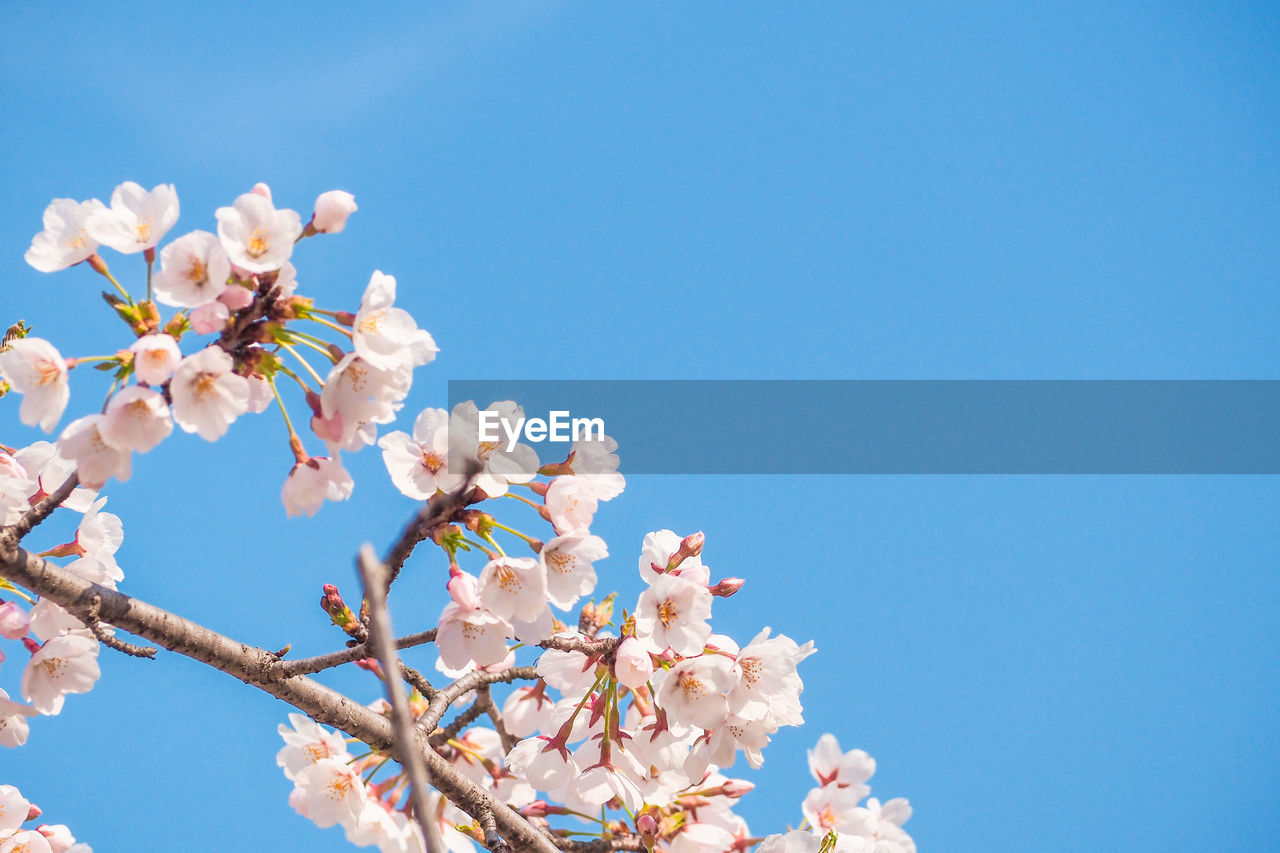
632,665
50,469
137,219
155,357
66,664
258,237
308,742
514,588
13,724
357,395
96,461
210,317
314,481
571,502
193,271
568,564
207,396
331,211
385,336
673,613
419,463
329,792
37,370
137,419
64,241
499,466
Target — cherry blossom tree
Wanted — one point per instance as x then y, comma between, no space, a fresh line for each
552,724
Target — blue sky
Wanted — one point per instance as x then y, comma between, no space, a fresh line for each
828,190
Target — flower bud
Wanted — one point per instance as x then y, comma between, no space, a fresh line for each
690,546
647,827
14,623
726,587
33,811
736,787
262,190
332,209
632,665
30,645
58,835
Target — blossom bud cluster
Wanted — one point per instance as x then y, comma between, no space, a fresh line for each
240,285
61,651
16,810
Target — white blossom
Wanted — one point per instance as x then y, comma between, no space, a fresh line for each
673,613
96,461
207,396
64,241
258,237
331,211
155,357
386,336
38,371
137,419
313,482
419,463
66,664
137,219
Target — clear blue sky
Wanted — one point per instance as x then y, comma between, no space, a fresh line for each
721,190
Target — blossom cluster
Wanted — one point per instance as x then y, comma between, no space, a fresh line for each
240,285
62,651
15,810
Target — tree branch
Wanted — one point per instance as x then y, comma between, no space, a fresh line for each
360,651
45,508
436,709
374,577
256,667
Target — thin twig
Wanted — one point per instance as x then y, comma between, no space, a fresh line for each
374,577
418,680
360,651
45,508
89,616
466,718
447,696
439,510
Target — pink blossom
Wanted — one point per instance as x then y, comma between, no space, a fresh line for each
673,613
155,357
207,396
66,664
313,482
386,336
96,461
137,419
257,237
209,318
632,664
571,503
13,730
14,622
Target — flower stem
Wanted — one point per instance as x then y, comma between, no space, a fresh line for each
513,531
333,326
305,363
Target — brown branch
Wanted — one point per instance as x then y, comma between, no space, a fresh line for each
374,577
500,726
601,845
590,648
417,680
256,667
360,651
89,616
436,709
45,508
439,510
466,718
495,842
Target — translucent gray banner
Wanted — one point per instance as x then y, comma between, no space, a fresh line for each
905,427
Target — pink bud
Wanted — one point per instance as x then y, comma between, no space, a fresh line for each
632,665
33,812
30,645
332,210
538,808
58,835
737,787
262,190
14,623
236,297
727,587
647,826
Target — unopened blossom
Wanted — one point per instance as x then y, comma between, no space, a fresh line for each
13,722
193,271
96,461
207,396
155,357
137,419
830,766
331,211
313,482
236,297
50,469
14,623
571,503
568,562
137,218
209,318
632,664
673,613
514,588
659,549
64,240
694,691
307,742
419,463
386,336
58,835
356,396
66,664
25,841
258,237
329,792
36,369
